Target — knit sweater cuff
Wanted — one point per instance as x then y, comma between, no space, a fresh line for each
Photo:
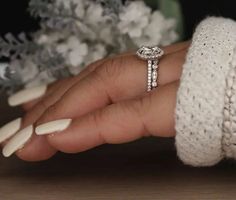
204,115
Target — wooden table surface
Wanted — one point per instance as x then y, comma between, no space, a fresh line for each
145,169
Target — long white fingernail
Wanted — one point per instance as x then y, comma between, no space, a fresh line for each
18,141
27,95
53,126
10,129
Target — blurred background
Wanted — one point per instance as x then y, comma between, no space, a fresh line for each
15,18
145,169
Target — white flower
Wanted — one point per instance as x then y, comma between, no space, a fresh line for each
107,35
42,39
169,38
94,15
77,51
97,36
26,69
85,31
30,74
95,25
77,55
80,9
97,52
42,78
3,67
134,18
74,51
48,38
62,49
29,71
170,34
75,70
160,31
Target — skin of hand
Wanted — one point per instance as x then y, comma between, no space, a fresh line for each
107,103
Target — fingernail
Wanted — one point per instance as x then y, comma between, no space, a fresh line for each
27,95
53,126
18,141
9,129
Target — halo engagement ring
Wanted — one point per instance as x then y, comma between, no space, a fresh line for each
152,55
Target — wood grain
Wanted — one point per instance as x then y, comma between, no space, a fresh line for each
144,169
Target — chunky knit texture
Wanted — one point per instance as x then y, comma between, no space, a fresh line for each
201,96
229,114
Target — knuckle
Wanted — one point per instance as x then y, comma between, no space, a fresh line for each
139,106
111,69
96,119
96,82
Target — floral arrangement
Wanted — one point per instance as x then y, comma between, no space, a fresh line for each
75,33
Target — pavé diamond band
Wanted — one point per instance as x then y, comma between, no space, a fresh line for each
152,55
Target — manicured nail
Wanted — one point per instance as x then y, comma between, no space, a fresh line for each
9,129
27,95
53,126
18,141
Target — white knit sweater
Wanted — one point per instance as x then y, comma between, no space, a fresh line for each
206,99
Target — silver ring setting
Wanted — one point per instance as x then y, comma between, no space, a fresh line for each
152,55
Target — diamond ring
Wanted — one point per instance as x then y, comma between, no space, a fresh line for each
152,55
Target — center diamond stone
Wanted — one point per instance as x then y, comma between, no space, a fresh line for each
150,53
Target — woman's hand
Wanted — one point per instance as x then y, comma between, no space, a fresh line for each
107,103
